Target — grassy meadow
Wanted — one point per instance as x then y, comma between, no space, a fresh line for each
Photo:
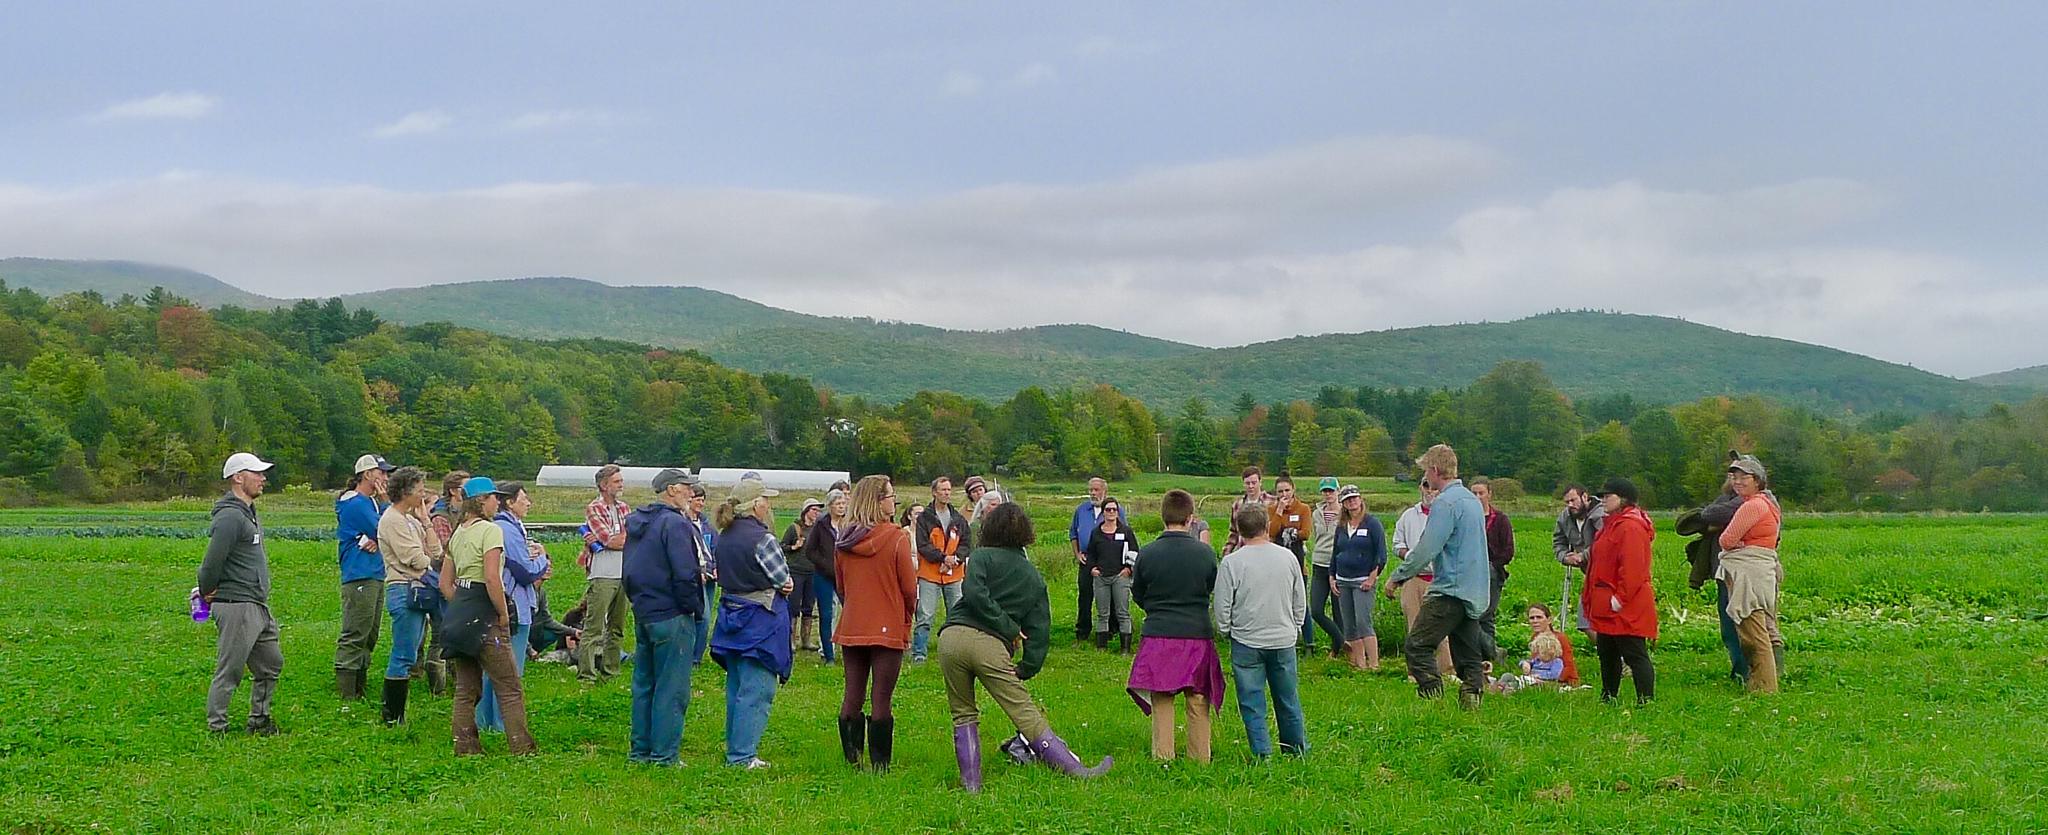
1916,700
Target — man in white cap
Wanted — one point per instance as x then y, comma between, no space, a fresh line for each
234,578
356,512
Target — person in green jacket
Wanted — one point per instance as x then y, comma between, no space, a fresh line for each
1002,606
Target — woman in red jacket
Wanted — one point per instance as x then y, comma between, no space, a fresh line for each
1620,601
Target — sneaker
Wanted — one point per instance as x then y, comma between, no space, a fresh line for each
754,764
917,659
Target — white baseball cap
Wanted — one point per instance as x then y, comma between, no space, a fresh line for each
372,462
241,461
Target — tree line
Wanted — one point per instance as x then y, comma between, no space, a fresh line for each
143,397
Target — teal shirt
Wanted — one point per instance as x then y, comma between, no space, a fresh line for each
1453,547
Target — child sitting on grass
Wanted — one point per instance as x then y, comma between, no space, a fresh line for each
1544,666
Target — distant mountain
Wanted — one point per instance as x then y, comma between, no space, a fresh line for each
2032,377
114,278
1655,359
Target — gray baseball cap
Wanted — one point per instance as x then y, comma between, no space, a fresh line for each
672,476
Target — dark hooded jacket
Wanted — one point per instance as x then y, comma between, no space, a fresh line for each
663,568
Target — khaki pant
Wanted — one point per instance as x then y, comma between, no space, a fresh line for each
604,625
967,655
1199,714
1755,633
495,661
1412,593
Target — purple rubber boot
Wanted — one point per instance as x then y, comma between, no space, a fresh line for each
967,749
1052,751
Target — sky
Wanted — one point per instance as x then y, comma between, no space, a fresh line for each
1859,175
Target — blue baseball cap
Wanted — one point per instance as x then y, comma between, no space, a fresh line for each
479,485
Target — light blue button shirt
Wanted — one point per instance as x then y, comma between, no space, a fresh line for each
1453,547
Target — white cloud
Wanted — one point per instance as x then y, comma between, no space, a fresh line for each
959,84
415,123
1035,73
186,105
550,119
1303,240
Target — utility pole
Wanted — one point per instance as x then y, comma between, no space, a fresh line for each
1159,452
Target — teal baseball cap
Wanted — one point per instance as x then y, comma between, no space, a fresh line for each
478,486
1329,483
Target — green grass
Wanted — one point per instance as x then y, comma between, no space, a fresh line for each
1915,701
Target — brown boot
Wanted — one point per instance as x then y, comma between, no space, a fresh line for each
811,633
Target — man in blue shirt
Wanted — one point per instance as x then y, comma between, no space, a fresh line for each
362,574
1087,517
1453,547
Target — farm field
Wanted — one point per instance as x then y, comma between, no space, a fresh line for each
1916,700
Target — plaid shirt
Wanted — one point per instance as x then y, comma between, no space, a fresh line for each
769,552
605,520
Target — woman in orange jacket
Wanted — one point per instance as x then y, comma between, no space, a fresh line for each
1620,601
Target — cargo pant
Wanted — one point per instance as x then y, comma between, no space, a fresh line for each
495,661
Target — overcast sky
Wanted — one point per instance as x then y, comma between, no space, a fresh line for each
1865,176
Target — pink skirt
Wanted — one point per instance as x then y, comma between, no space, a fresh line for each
1175,665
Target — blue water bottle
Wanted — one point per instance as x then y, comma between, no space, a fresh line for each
201,607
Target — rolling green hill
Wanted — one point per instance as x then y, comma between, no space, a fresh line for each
114,278
1655,359
2033,377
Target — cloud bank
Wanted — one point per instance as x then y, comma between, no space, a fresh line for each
186,105
1351,235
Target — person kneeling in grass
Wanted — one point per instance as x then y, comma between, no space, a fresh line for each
1260,606
1002,606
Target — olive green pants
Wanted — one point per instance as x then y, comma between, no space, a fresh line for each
362,612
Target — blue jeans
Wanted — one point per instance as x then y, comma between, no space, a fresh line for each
1255,671
661,687
828,604
408,626
487,716
1737,665
928,596
704,623
749,692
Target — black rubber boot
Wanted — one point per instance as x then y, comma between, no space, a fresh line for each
1123,643
395,692
881,743
1102,640
852,737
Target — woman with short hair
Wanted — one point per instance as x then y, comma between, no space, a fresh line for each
1173,582
479,633
406,540
877,572
1619,598
1003,608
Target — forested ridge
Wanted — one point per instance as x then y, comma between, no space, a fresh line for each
144,396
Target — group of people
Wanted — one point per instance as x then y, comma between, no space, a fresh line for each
462,580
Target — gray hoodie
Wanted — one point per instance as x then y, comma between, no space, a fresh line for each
236,568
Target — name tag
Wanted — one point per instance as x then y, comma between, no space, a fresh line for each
1294,517
1119,537
256,539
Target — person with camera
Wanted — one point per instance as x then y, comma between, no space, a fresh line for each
1290,524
